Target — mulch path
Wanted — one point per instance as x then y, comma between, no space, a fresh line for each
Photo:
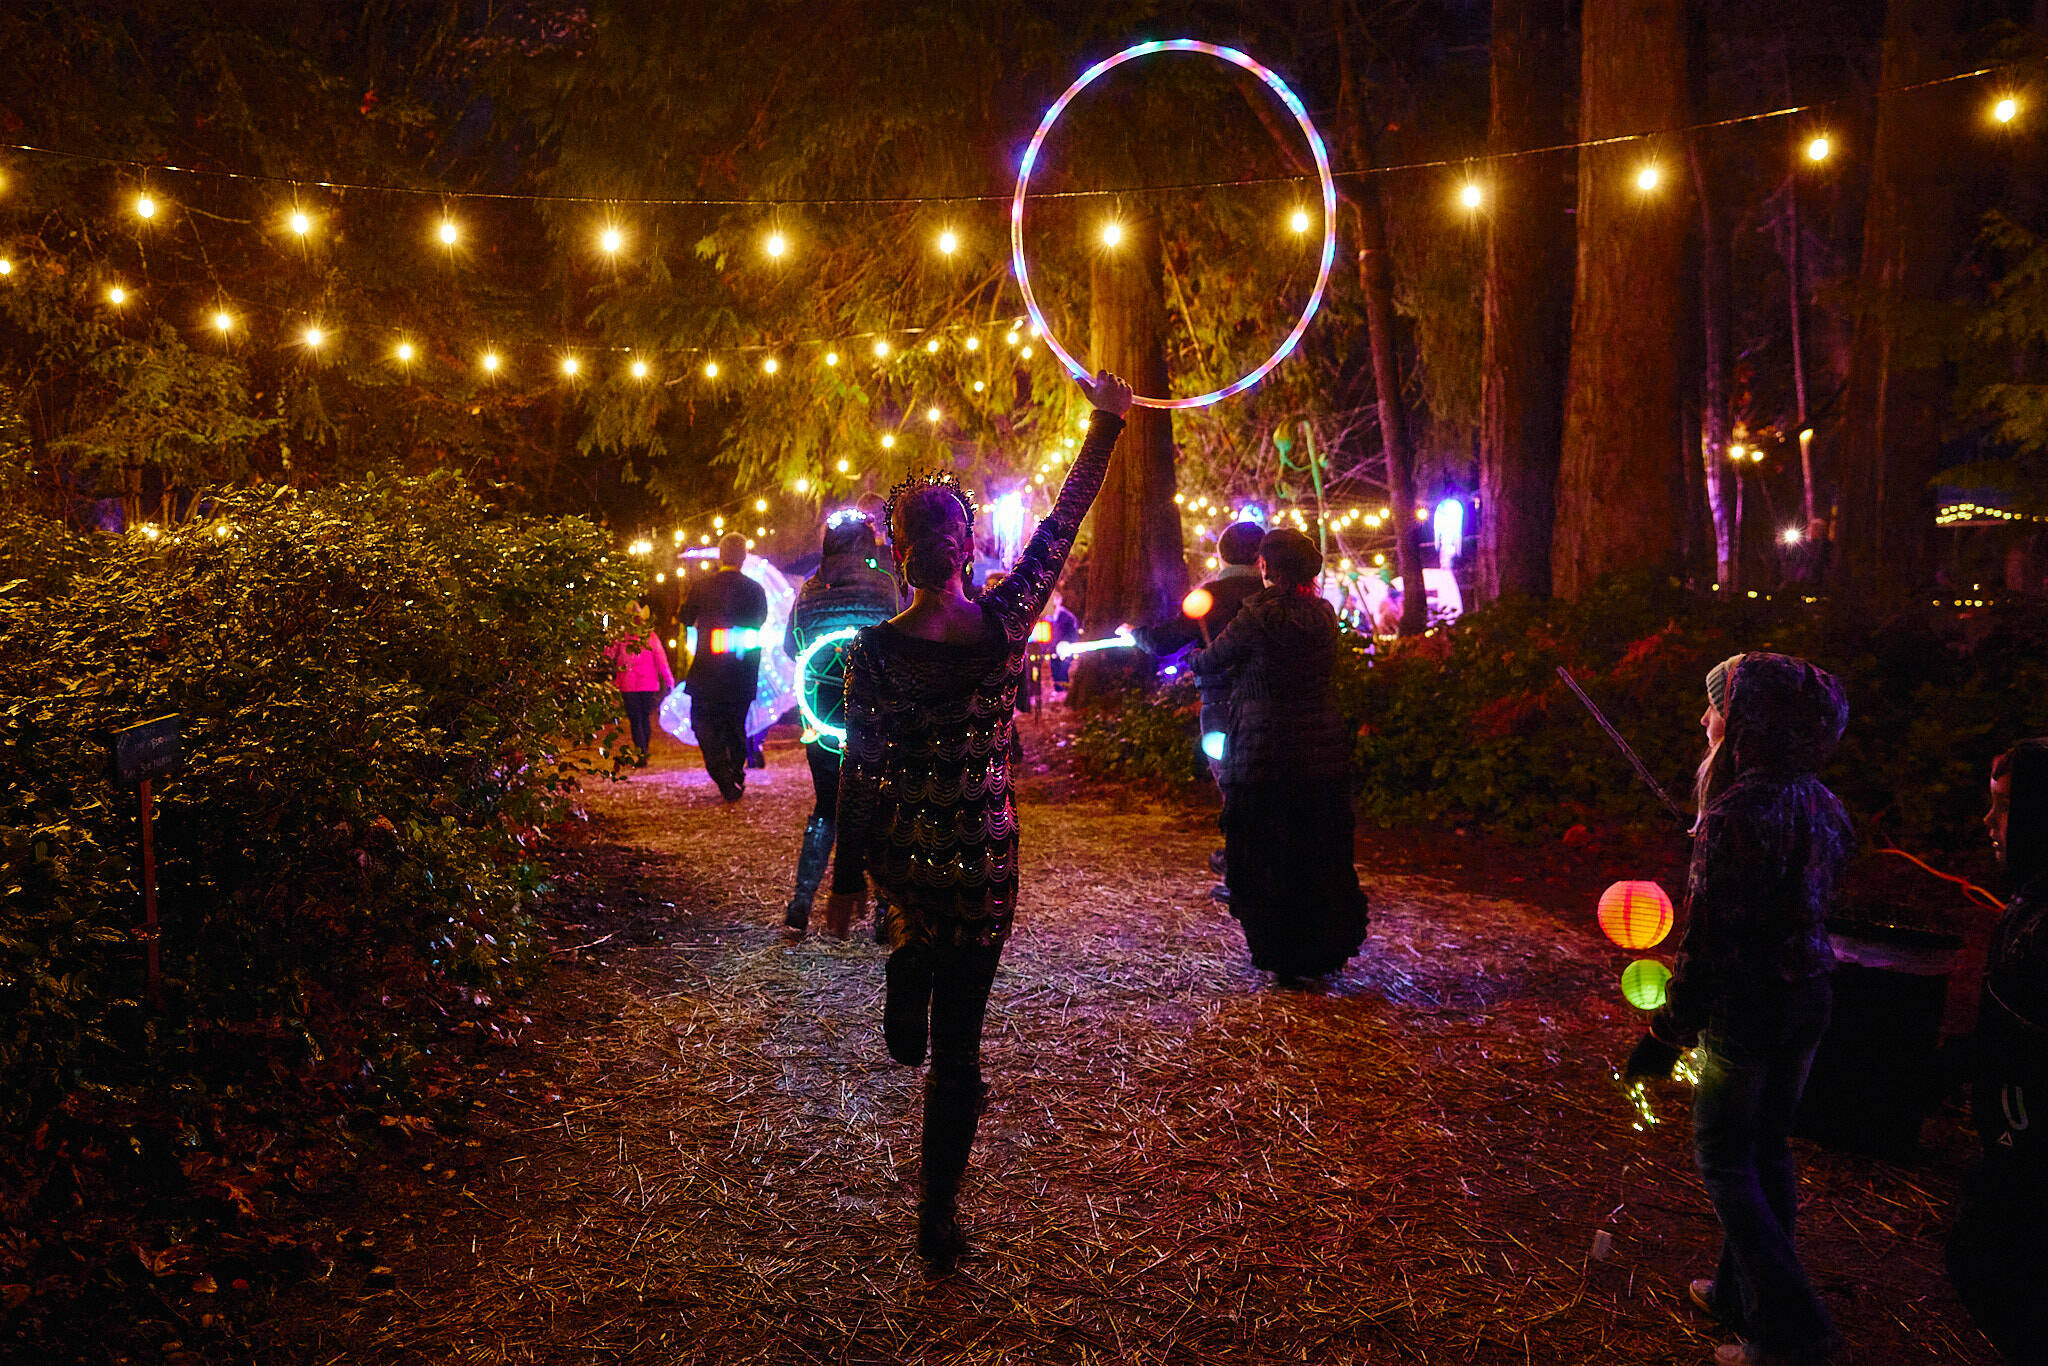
701,1152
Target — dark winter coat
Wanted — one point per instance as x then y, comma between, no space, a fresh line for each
1279,659
1765,861
725,600
2009,1094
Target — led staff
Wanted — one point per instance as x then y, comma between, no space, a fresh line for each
1123,639
1315,146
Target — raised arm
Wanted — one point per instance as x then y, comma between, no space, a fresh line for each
1019,599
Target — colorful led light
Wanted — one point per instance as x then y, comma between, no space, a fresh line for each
1315,145
806,682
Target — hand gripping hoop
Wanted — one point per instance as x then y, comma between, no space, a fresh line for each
1315,146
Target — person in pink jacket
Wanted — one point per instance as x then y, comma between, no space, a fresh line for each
643,676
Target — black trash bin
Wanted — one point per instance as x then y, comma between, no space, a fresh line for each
1875,1076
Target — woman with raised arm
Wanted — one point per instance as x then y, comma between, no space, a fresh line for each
926,807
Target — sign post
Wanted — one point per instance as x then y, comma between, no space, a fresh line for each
143,752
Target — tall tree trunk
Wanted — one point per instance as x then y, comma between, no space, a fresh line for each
1724,502
1890,443
1136,572
1528,302
1621,486
1376,281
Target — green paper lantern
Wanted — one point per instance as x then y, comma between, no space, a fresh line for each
1643,982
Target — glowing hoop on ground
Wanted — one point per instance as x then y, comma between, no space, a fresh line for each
826,731
1315,146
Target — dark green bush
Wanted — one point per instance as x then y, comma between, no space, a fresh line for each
1146,738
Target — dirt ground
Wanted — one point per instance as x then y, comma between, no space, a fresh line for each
702,1153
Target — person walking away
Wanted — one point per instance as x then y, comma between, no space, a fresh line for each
1066,627
927,809
1998,1249
728,609
1751,985
848,591
641,674
1233,586
1287,818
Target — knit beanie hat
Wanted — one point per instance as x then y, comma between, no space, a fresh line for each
1717,683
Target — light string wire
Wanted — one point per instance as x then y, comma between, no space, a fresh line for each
832,201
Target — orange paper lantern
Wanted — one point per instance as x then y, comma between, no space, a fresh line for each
1198,604
1635,915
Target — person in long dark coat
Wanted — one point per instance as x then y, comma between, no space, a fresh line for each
728,609
1752,985
1287,818
1998,1250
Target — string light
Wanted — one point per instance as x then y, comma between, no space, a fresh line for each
145,207
448,232
1737,452
6,266
1791,535
771,365
980,385
1818,149
973,343
404,352
639,369
1299,222
831,358
760,505
777,244
2005,111
932,347
491,362
843,467
888,442
117,295
1025,353
300,224
881,349
313,336
1471,196
1112,233
949,242
711,369
610,240
570,366
932,414
1647,178
803,485
1012,337
222,321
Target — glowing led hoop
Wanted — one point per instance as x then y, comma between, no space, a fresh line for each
1315,146
804,656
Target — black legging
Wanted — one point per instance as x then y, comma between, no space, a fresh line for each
824,782
961,980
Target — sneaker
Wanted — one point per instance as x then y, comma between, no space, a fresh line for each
1701,1293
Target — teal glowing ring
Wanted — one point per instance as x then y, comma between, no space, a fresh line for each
803,691
1315,146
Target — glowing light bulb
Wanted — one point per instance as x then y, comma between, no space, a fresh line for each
777,244
570,365
1791,535
1012,337
932,414
1471,196
610,240
404,352
222,322
888,442
1647,178
1818,149
117,296
449,232
932,347
843,467
1299,222
313,336
980,385
145,207
6,266
949,242
771,365
639,369
711,369
2005,111
1025,353
760,505
881,349
1112,233
831,358
718,523
973,343
301,224
491,362
802,485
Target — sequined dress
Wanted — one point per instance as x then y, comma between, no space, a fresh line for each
926,805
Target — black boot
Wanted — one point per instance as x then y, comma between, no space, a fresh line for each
810,871
881,919
907,1004
952,1111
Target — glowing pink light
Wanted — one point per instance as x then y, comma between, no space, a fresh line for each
1315,146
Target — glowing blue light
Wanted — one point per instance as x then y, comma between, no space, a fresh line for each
1212,745
1450,530
1250,512
1006,522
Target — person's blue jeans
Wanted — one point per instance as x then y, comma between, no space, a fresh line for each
1742,1116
